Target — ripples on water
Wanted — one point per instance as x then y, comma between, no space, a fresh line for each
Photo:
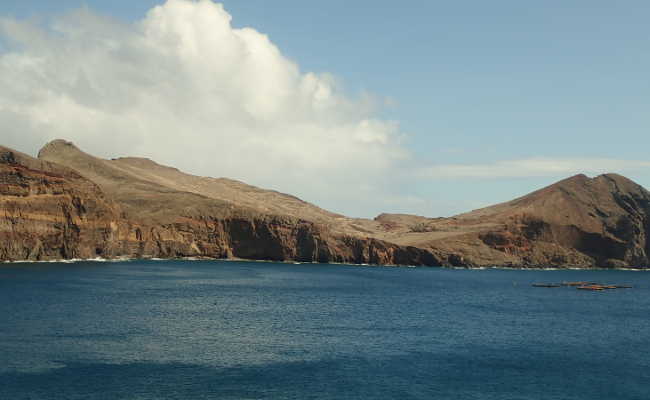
242,330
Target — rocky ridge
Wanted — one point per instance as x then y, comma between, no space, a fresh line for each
578,222
54,211
69,204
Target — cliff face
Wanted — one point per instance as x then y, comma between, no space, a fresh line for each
270,238
69,204
50,211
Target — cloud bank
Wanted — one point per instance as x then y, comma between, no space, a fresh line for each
184,87
531,167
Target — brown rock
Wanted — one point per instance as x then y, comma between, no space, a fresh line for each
68,204
53,210
577,222
50,212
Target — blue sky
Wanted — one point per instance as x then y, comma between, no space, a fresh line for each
469,82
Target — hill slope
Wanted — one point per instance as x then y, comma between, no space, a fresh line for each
137,208
129,177
90,208
580,221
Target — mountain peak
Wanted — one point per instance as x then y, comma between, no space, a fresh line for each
614,177
58,146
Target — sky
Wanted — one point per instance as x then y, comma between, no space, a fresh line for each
421,107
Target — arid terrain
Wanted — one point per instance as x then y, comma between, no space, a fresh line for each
68,204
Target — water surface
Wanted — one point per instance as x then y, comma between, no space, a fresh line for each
244,330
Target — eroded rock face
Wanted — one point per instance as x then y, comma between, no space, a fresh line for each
69,204
50,212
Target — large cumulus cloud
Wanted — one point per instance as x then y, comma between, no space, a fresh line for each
184,87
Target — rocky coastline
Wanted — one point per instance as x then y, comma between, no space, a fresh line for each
67,205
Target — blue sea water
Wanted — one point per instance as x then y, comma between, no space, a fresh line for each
244,330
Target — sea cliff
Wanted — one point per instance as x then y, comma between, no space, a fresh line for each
67,204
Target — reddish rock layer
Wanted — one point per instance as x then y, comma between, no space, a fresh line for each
50,211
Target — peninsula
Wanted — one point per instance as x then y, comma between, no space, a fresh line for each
67,204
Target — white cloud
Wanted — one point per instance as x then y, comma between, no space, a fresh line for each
532,167
185,88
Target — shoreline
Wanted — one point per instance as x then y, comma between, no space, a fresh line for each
128,259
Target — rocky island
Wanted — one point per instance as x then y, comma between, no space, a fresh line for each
67,204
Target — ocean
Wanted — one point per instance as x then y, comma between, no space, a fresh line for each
248,330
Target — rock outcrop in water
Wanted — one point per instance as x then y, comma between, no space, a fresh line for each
69,204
